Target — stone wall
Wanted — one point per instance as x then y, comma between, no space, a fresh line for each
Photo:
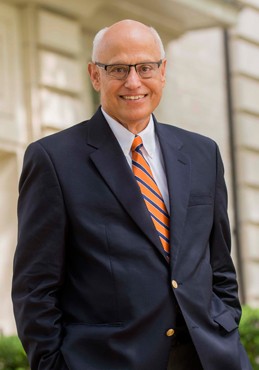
43,88
195,93
12,137
245,75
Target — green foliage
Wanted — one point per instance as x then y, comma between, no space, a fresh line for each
249,333
12,355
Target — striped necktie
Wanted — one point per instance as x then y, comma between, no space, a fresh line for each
151,194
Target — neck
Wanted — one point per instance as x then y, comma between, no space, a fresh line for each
135,128
132,126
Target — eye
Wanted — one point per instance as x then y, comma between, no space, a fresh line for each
145,68
118,69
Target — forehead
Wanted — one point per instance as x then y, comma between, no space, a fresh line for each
128,45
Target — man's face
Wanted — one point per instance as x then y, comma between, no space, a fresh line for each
129,101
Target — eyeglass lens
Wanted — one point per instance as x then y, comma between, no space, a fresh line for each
144,70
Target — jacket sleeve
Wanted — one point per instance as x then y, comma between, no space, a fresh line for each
224,276
39,261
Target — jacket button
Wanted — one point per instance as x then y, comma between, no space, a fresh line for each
174,284
170,332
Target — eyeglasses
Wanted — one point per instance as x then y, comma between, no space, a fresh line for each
121,71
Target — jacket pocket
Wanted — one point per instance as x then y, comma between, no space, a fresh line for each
226,321
200,199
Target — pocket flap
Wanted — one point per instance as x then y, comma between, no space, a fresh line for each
226,320
199,200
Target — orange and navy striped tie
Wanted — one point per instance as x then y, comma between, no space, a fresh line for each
151,194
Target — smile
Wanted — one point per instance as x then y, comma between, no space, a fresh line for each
132,97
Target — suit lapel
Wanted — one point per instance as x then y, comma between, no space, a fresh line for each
111,163
178,178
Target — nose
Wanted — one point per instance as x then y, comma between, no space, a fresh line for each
132,81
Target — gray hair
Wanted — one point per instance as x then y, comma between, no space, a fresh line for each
99,36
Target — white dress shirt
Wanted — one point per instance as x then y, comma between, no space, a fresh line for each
151,151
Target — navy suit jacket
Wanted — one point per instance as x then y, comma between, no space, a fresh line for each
92,288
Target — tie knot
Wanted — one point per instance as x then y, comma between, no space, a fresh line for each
137,143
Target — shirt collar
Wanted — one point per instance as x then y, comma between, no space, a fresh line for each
125,137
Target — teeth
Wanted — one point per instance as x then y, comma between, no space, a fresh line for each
133,97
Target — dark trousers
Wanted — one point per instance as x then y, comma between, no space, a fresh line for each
183,356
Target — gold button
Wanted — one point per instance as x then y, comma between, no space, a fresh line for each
170,332
174,284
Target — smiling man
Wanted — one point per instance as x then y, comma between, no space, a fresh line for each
132,95
123,255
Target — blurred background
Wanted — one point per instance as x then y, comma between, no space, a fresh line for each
212,88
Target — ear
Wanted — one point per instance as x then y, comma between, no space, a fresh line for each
94,74
163,71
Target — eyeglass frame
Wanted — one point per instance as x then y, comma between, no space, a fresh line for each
105,66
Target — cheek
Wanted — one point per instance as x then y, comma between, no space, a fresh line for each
157,93
108,97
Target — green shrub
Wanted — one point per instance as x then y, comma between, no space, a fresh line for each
249,333
12,355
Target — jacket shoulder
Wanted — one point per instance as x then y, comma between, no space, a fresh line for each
186,137
185,134
65,136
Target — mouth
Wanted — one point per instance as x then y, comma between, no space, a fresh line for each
133,97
